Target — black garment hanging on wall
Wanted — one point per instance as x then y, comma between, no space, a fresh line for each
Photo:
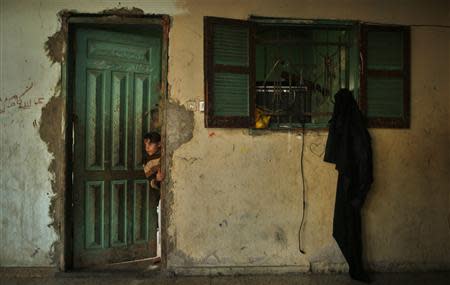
348,146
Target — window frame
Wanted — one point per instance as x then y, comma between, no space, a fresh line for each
402,122
210,68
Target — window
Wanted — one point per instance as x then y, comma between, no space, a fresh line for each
385,93
229,73
271,73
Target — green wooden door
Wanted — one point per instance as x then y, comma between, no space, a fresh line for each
116,87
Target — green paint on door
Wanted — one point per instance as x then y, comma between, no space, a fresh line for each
116,88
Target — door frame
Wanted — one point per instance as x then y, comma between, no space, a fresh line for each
69,21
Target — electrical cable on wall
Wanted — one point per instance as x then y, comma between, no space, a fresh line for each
328,77
300,244
287,84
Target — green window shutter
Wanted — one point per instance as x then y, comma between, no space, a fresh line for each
385,78
229,73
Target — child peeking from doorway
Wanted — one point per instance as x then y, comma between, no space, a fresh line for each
152,161
152,168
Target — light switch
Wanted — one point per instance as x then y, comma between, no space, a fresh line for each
201,106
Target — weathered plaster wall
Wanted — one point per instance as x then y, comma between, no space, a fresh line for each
237,197
234,199
32,120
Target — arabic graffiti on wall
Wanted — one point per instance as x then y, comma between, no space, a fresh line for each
20,101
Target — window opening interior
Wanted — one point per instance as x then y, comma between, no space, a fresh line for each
298,70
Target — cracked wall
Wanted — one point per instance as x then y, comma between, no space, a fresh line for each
233,198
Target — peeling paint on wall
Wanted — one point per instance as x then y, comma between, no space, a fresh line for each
54,47
124,11
56,44
51,131
179,127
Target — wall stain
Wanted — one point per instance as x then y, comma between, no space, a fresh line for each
180,257
211,259
280,237
223,223
189,160
35,252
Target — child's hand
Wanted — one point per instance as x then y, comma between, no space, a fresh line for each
159,175
147,169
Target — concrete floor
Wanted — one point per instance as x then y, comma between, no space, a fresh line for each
85,278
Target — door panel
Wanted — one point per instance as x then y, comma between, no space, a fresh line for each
95,112
117,87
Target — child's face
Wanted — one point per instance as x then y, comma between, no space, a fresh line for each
150,147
